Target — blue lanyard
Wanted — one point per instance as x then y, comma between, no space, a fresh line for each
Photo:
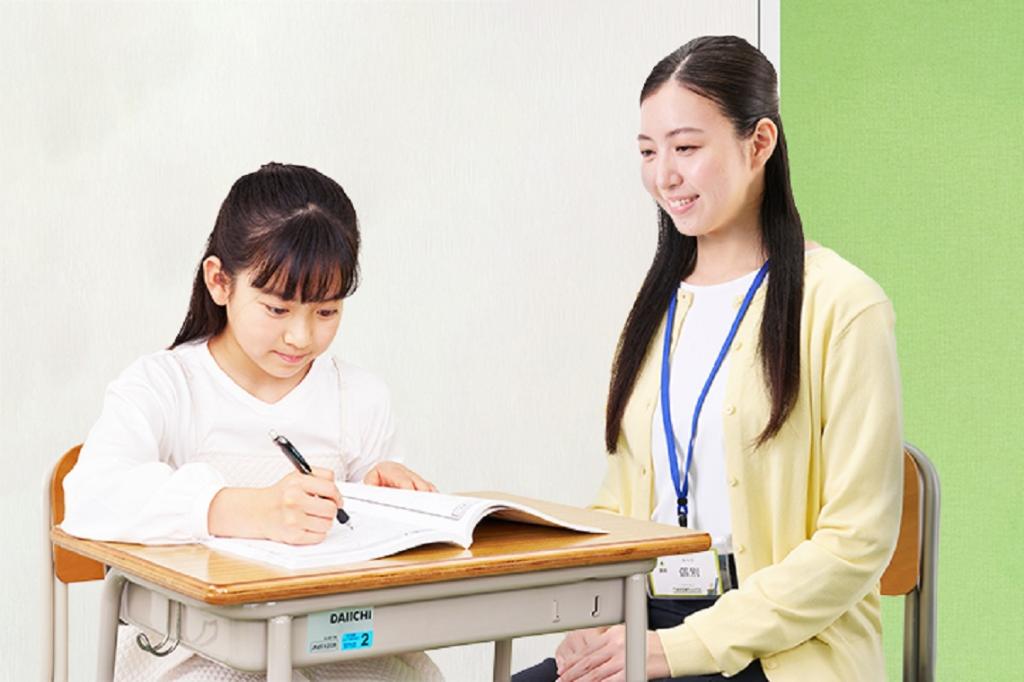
683,486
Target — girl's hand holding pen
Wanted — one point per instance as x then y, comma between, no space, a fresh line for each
299,509
302,507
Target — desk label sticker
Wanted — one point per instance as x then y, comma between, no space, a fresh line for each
339,630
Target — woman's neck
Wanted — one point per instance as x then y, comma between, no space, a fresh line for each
722,258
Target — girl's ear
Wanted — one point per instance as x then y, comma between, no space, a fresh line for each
762,142
218,283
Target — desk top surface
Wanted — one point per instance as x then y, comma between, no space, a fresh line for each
498,548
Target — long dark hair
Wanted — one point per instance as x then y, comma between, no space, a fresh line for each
296,230
742,82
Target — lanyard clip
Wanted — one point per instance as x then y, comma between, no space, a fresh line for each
681,511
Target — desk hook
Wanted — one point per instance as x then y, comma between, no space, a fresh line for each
162,648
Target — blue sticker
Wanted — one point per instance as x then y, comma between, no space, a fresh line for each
357,640
339,630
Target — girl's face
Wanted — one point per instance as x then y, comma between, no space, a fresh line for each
278,338
696,168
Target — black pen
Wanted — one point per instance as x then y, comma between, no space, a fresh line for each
292,453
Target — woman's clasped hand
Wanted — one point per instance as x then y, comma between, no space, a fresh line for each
599,655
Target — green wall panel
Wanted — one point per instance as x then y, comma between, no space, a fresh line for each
904,123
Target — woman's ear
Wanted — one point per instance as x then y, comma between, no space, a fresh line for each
218,282
762,142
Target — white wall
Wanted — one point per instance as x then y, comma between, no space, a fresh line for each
489,150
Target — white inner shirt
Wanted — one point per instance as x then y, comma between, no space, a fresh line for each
703,331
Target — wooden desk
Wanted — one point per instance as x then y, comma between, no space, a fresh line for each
515,580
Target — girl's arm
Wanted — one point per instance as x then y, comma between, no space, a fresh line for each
124,486
785,604
370,435
130,486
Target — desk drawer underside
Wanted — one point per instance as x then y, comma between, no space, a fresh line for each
397,627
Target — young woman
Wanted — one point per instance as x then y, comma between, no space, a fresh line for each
754,395
181,450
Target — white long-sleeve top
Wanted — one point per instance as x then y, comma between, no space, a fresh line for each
700,338
175,429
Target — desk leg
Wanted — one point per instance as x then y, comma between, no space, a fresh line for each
502,660
110,613
279,649
636,627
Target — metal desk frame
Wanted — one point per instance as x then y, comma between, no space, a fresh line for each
271,636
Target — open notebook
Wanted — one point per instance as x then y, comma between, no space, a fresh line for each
385,521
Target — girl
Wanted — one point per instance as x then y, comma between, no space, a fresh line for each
754,395
181,452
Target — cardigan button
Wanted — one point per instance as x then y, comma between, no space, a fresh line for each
733,482
740,549
730,409
737,345
770,663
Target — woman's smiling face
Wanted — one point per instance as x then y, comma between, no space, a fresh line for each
694,165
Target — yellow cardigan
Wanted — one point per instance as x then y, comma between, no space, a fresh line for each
815,512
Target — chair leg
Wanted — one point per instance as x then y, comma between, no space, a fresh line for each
911,631
50,588
928,601
60,630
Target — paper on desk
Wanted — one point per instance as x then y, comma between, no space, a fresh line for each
385,521
367,539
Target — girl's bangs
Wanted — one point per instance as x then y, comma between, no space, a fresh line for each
306,258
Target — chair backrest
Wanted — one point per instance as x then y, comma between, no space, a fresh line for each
905,566
68,566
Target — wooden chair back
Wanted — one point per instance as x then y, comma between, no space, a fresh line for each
905,566
68,566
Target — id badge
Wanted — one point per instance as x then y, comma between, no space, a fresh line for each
686,576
